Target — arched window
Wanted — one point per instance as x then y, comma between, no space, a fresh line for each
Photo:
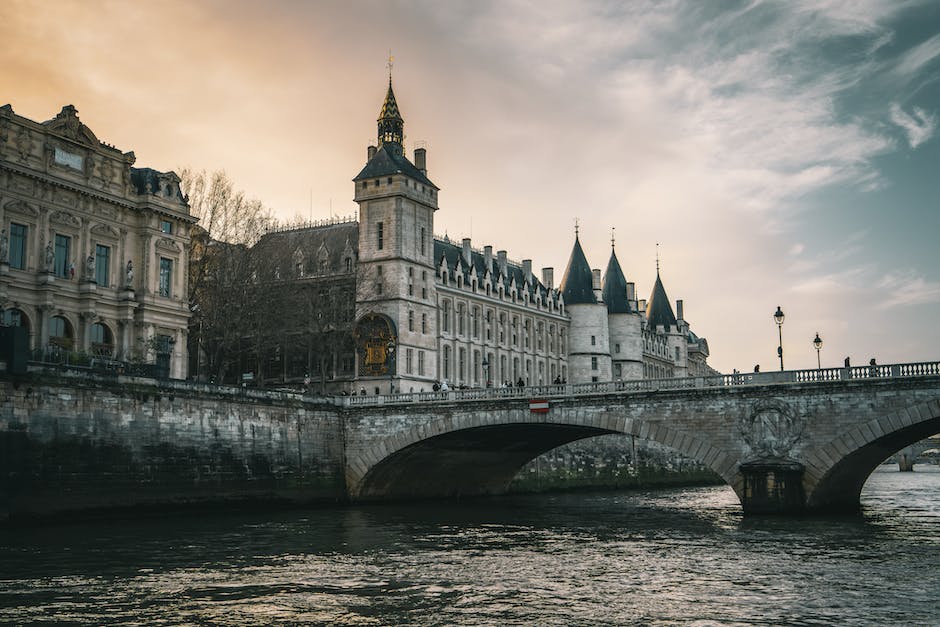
15,318
60,332
102,341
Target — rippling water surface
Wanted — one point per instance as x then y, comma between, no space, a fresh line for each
665,557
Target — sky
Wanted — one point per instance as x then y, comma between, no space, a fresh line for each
780,153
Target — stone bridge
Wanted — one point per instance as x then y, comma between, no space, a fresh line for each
786,442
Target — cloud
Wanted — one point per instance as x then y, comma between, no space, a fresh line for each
919,125
908,288
919,56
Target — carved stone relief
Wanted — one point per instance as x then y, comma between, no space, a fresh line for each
167,244
104,230
771,429
62,217
24,143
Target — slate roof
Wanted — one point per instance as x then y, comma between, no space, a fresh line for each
451,253
615,287
389,160
140,177
577,286
390,106
336,239
659,311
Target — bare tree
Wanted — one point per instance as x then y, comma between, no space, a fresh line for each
220,267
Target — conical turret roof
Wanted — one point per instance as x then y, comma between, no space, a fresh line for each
391,126
390,106
659,311
615,287
577,286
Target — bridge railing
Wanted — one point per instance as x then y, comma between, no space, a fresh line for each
815,375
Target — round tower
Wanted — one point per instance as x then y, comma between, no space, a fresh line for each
624,323
589,339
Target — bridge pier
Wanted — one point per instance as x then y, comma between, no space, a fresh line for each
906,459
773,486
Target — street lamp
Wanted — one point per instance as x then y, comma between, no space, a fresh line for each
390,347
817,342
778,318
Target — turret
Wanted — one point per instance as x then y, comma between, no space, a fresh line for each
624,323
589,342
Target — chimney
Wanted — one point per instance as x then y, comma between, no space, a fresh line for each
421,155
527,270
641,306
631,292
488,258
501,257
679,309
370,152
466,250
596,278
548,277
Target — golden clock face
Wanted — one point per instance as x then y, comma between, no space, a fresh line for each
375,342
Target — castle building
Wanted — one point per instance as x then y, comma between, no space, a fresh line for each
430,311
93,251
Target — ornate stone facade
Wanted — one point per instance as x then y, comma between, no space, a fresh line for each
95,251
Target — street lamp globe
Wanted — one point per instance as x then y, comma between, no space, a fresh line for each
778,318
817,341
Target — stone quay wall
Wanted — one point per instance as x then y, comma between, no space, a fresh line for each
81,442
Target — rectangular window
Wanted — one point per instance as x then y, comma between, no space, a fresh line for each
445,317
102,263
166,276
423,246
593,340
593,363
617,348
380,235
408,353
421,363
61,261
166,227
424,323
411,321
18,246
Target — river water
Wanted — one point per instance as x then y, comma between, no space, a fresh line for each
651,558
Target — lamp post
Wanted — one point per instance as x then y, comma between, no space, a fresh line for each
817,342
778,318
391,361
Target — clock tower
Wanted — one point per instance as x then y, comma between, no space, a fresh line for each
396,299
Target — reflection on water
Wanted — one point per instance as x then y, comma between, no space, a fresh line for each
661,557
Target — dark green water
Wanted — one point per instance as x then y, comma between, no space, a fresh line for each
682,556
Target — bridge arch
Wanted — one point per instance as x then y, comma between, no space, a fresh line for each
837,471
480,453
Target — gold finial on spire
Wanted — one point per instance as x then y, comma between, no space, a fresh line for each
576,227
612,230
657,258
391,62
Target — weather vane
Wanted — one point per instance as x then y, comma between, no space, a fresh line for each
391,62
657,257
612,229
575,227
